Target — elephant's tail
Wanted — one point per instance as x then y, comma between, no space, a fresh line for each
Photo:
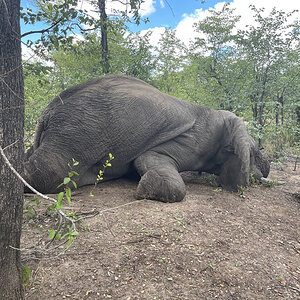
40,130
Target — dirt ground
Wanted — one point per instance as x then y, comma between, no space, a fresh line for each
213,245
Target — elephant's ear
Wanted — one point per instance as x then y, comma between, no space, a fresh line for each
235,170
233,173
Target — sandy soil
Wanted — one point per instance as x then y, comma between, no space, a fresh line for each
213,245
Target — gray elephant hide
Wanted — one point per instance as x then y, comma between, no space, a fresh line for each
156,134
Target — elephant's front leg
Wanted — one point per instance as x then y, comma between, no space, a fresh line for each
160,179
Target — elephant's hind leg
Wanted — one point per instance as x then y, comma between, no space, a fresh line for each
160,179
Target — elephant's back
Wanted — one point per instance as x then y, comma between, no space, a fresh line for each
113,91
117,114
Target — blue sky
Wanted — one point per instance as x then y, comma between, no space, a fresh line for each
173,11
165,13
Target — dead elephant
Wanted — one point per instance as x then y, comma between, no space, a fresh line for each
156,134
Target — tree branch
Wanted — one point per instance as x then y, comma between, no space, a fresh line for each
43,30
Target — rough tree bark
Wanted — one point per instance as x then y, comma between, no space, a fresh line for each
104,44
11,140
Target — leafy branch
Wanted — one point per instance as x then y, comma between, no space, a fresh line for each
101,172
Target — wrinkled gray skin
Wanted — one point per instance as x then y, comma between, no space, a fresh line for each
156,134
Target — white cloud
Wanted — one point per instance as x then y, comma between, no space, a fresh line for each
27,54
185,28
185,31
155,36
242,8
147,8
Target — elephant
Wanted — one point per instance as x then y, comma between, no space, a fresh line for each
148,131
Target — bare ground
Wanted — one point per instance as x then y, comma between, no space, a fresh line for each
213,245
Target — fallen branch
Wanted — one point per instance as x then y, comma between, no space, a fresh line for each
61,213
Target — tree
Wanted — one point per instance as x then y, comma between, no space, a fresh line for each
65,17
170,59
139,58
216,55
11,141
104,44
253,72
271,49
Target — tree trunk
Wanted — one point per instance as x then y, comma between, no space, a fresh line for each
104,45
280,104
254,111
11,140
298,114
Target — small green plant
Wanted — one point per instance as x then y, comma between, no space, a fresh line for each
70,235
101,172
65,230
30,207
242,190
67,190
26,272
252,180
209,179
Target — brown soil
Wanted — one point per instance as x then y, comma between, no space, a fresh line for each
213,245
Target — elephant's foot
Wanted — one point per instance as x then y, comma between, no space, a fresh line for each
155,185
160,179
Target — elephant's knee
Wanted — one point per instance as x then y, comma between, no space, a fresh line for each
155,186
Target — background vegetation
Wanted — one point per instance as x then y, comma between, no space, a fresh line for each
253,72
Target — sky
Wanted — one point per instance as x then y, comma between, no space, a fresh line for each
180,15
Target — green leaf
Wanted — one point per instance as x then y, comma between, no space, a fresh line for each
59,185
51,234
65,235
74,183
26,272
66,180
71,239
59,203
74,233
68,195
58,236
60,196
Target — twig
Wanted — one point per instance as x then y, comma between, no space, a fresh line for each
108,209
43,30
15,142
116,207
293,288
